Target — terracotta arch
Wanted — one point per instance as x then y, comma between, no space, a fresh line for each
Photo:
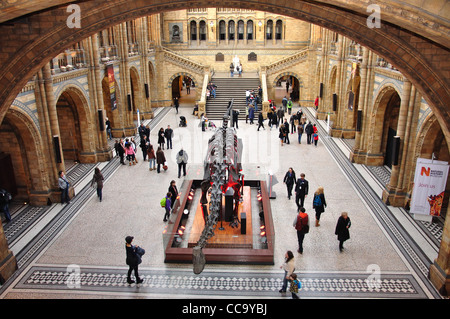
402,41
78,138
378,127
28,157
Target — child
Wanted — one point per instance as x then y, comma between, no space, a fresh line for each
167,207
295,286
316,138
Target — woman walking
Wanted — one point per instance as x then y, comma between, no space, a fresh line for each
160,159
342,232
98,181
288,267
282,134
289,180
174,191
161,138
131,154
151,158
319,204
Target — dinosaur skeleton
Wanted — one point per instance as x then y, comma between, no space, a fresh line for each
224,150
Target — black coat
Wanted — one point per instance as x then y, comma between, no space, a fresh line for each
289,179
341,228
132,258
302,186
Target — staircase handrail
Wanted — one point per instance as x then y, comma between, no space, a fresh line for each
287,61
183,61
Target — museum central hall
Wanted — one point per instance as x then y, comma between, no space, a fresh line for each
255,111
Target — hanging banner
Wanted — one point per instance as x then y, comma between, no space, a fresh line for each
430,180
112,86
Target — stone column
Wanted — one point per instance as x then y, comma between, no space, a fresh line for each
8,263
401,128
361,105
53,115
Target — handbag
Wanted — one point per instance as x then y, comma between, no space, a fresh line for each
165,167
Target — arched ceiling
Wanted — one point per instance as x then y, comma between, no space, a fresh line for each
413,36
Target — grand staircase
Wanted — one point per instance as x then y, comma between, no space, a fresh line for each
231,88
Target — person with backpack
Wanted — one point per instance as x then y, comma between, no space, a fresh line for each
301,225
5,199
319,204
295,286
167,205
134,254
288,267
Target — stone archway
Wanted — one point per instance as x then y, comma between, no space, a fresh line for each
414,41
22,146
384,123
78,138
295,87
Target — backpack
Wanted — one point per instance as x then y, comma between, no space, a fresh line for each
163,202
302,223
317,201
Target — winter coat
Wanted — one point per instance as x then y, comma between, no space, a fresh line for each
341,228
182,157
160,158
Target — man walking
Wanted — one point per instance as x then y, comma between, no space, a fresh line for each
182,159
168,133
301,190
301,225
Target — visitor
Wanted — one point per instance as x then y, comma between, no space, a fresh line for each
168,134
130,153
286,129
161,138
289,179
64,186
97,182
288,267
160,159
300,132
167,207
173,190
5,199
294,286
301,225
261,121
182,159
120,150
251,113
132,260
319,204
342,232
144,146
151,158
309,132
301,190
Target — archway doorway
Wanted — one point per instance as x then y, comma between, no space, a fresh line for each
392,108
75,132
184,88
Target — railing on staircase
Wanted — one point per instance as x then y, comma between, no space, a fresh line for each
182,61
287,62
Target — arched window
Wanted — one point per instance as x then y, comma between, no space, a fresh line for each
222,30
269,30
250,30
231,26
278,30
176,34
240,30
193,30
202,26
